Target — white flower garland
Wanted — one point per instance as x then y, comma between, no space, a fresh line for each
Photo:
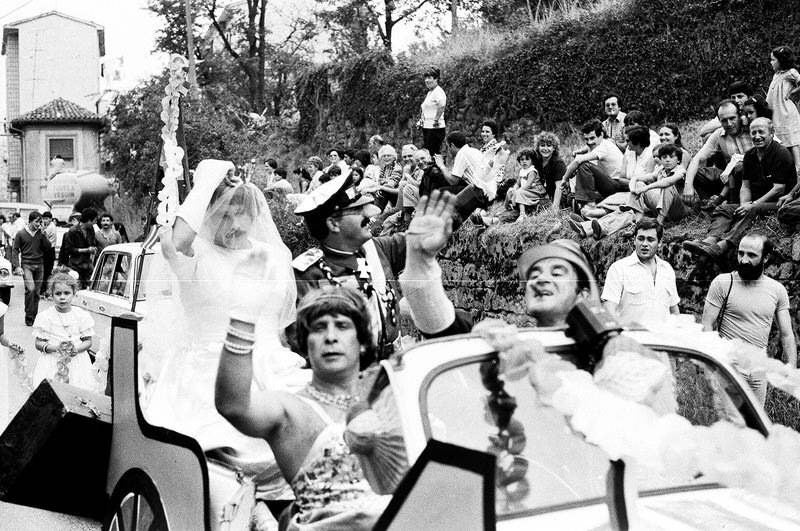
172,159
730,455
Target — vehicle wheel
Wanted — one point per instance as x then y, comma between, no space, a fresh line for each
135,505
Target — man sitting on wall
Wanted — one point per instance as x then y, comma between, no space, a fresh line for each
768,169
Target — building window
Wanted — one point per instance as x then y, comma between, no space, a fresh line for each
63,148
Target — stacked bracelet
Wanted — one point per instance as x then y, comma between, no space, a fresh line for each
241,334
238,350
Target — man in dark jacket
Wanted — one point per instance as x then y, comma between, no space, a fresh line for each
27,257
78,247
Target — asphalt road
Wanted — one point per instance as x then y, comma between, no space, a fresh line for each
17,517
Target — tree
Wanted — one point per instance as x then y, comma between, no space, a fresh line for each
239,50
356,22
171,38
214,128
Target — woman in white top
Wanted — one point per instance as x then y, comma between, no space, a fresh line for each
432,118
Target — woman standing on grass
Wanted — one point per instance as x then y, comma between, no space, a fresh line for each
785,85
432,117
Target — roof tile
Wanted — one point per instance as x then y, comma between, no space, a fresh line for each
57,111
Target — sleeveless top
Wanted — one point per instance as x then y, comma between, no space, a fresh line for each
330,475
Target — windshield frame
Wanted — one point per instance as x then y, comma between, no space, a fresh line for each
753,420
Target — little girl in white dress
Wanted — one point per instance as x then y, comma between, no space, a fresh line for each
63,335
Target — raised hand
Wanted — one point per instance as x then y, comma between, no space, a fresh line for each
432,224
247,286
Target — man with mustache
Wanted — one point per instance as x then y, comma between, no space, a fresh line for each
767,171
743,304
340,218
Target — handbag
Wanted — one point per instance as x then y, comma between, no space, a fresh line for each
721,313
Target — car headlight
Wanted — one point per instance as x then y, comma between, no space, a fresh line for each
5,274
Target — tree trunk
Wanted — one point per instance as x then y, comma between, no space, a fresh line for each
454,17
193,92
262,57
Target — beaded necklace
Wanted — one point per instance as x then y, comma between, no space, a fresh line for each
343,402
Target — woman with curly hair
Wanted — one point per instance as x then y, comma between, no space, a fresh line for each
547,161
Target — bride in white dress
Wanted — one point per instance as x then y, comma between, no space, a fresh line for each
218,224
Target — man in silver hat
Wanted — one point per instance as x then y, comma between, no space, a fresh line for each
556,275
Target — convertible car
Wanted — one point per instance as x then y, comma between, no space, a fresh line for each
486,453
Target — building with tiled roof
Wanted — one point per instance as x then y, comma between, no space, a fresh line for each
53,79
58,111
59,129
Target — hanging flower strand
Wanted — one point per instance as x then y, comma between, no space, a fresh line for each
172,158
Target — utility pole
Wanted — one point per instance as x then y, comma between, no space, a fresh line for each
193,92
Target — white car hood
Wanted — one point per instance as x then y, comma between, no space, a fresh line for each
716,508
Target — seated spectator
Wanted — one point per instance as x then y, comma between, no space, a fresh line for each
281,184
432,177
348,157
490,147
614,124
731,142
621,210
660,197
330,173
314,166
755,107
529,191
412,176
768,169
336,158
595,169
389,178
739,91
468,169
670,134
303,179
547,161
638,118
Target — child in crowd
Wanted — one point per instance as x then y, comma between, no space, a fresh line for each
661,197
784,87
64,335
529,191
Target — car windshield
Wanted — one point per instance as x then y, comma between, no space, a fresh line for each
542,464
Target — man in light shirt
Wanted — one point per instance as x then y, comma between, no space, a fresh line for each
595,168
731,141
743,305
641,287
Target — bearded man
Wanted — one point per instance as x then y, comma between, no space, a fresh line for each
742,305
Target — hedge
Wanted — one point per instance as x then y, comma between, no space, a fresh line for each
673,59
